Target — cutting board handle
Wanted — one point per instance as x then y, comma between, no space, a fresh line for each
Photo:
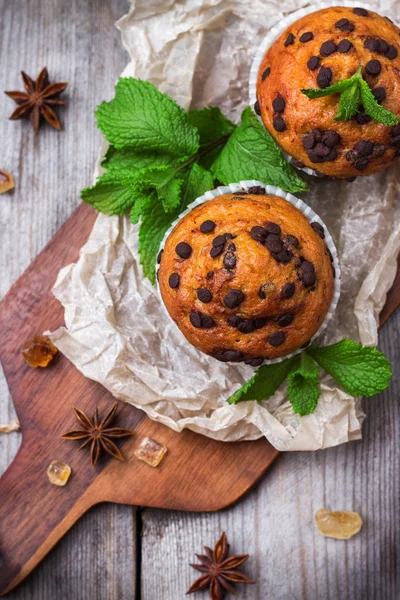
29,528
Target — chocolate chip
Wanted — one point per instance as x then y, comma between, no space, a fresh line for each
350,155
256,189
291,240
207,226
174,280
233,298
229,260
306,344
331,156
206,321
231,247
344,46
297,163
344,25
328,48
379,93
317,133
314,157
279,124
306,265
254,362
391,52
364,148
204,295
288,290
216,251
362,118
285,320
306,37
395,131
278,104
267,289
390,20
313,63
284,256
277,338
273,243
195,319
234,320
318,229
308,141
383,46
259,323
395,141
229,236
210,275
289,40
328,252
361,12
239,193
246,326
273,228
265,73
361,164
183,250
258,233
229,355
257,108
219,240
373,67
159,256
321,150
371,44
308,275
330,138
324,77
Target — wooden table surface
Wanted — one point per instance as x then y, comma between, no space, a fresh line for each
119,552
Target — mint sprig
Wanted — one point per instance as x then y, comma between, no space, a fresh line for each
162,158
360,370
354,92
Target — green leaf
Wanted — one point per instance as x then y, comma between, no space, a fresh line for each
129,158
165,181
349,103
113,193
198,181
303,388
375,110
264,383
360,370
336,88
251,153
212,125
143,118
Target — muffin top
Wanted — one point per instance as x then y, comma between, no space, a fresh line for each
320,49
246,277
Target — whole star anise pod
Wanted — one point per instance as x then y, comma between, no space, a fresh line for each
219,570
38,100
98,434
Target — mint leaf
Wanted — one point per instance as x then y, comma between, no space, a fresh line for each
129,158
360,370
165,181
251,153
264,383
212,126
349,103
303,388
375,110
143,118
197,182
113,193
336,88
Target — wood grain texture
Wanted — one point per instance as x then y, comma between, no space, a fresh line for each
96,559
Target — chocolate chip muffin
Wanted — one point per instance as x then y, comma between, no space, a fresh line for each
318,50
246,277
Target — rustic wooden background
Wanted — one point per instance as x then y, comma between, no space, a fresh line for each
119,552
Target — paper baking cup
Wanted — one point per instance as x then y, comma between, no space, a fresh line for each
307,212
273,35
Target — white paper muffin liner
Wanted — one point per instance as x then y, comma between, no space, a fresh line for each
273,35
307,212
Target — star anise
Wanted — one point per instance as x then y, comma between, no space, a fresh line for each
219,570
98,434
38,100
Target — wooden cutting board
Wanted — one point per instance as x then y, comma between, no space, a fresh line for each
197,474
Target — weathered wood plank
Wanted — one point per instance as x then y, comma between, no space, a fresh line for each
76,40
274,523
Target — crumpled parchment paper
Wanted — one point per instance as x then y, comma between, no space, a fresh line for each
117,331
